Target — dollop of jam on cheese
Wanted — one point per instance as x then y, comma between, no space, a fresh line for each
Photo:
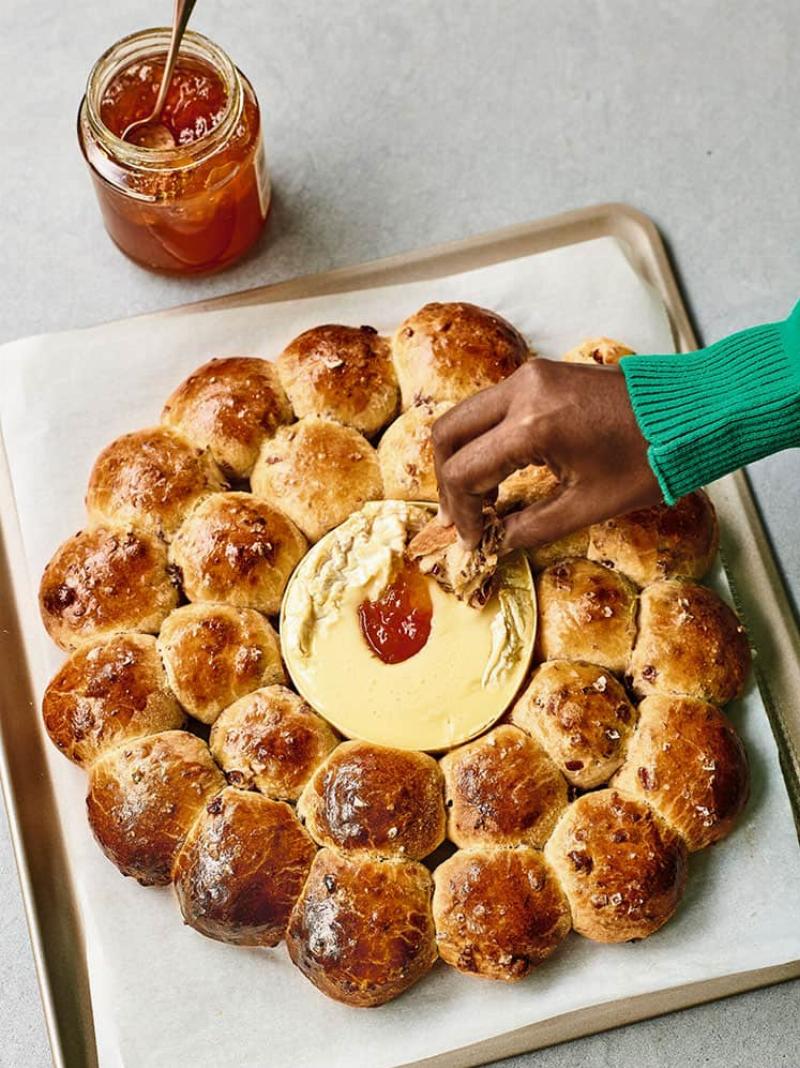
398,624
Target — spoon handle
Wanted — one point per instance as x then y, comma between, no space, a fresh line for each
183,11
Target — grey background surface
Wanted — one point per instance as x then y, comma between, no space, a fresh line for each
394,126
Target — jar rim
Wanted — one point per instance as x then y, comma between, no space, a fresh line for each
155,41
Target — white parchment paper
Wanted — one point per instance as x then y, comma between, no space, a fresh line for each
163,994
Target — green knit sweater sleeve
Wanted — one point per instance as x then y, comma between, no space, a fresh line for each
709,412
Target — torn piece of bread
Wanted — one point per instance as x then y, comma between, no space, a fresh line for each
467,573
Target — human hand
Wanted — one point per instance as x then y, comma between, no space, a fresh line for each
575,418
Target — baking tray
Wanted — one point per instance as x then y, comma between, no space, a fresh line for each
55,930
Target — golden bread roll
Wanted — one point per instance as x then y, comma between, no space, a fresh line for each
230,406
498,912
446,352
215,653
659,542
107,692
686,760
318,471
621,865
502,789
271,741
143,798
105,580
582,717
689,642
528,485
150,479
362,930
405,453
241,869
342,372
371,797
586,612
237,549
551,552
600,350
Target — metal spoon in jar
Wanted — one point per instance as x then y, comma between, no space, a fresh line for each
149,132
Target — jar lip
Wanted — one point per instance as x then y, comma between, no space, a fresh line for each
155,41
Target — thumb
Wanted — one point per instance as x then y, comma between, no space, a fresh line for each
560,514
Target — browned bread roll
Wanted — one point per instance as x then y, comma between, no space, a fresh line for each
143,798
150,479
237,549
551,552
104,580
107,692
659,542
690,642
271,741
343,372
687,761
446,352
526,486
241,869
586,612
319,472
600,350
371,797
621,865
230,406
498,912
362,929
215,653
406,454
502,789
582,717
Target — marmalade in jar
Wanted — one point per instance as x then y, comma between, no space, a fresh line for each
196,205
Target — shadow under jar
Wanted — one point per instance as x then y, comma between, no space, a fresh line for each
190,208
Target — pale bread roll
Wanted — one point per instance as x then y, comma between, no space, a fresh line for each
689,642
150,479
105,580
216,653
600,350
499,913
447,352
502,789
371,797
582,717
107,692
686,760
318,472
405,453
342,372
586,612
620,864
271,741
237,549
230,406
661,542
143,798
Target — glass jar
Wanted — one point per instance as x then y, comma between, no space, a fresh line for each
194,207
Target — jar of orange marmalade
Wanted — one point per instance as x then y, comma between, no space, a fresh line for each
197,205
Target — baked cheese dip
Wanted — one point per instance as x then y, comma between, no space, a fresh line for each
385,654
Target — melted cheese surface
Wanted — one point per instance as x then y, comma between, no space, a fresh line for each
456,686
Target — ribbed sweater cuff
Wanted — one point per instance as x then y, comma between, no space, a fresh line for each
709,412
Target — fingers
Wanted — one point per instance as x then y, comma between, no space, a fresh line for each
558,515
473,474
467,420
